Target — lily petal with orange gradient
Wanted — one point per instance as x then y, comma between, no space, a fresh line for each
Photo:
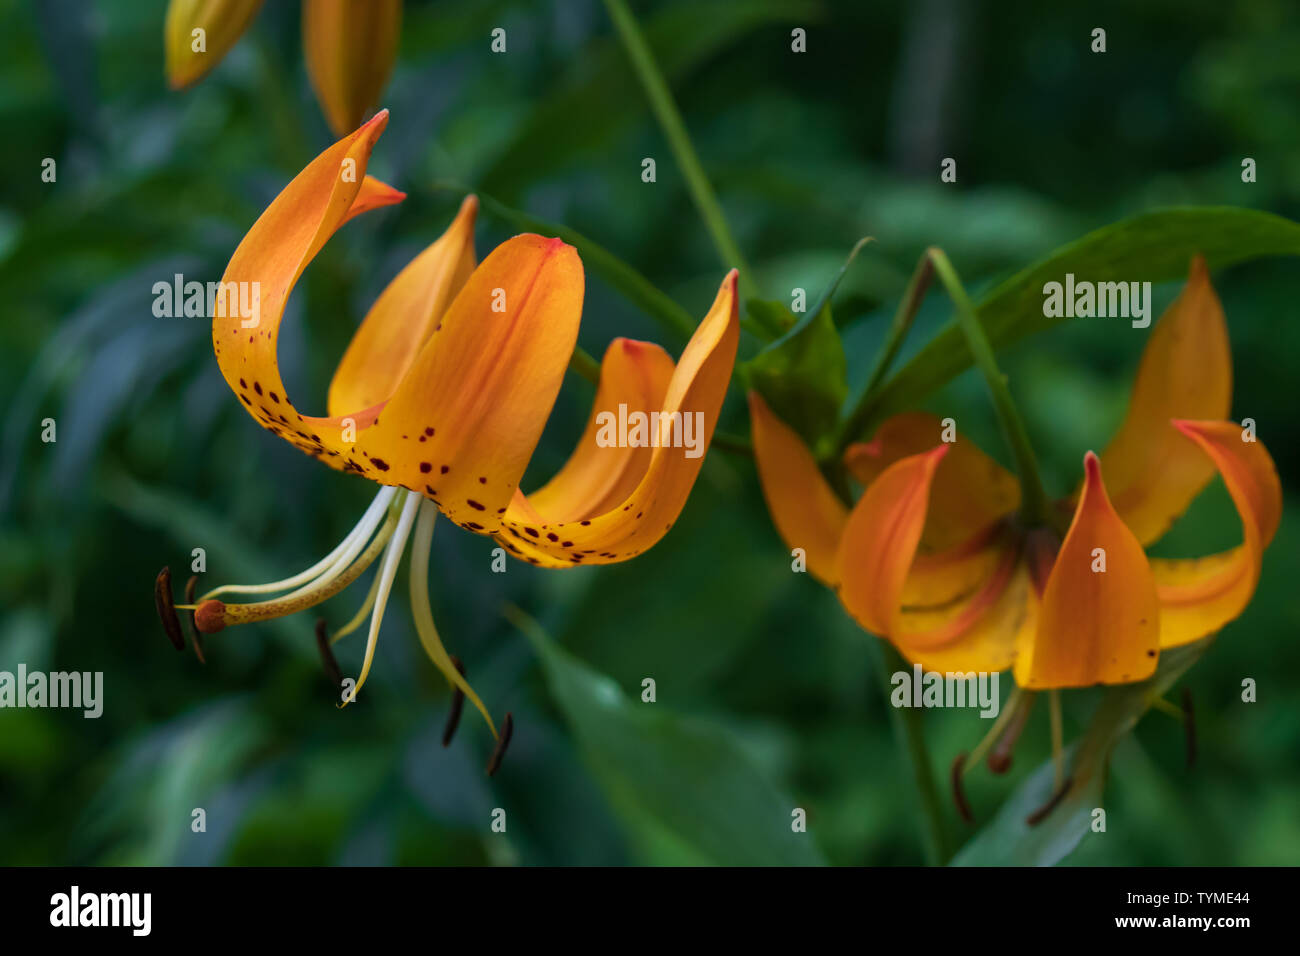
971,491
598,475
600,533
1199,596
807,512
881,537
404,317
1099,622
350,48
1185,372
961,609
223,22
479,398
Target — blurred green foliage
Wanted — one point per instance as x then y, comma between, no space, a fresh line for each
766,695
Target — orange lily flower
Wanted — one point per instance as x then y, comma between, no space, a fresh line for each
441,399
934,557
350,47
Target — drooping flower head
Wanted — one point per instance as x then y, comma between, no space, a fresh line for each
934,556
442,395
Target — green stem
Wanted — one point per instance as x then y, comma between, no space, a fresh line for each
856,422
734,444
1034,504
670,121
582,364
910,738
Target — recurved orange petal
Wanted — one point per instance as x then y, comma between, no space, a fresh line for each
880,540
971,491
350,47
684,428
806,511
483,385
1199,596
198,33
1185,372
263,271
404,317
1099,622
962,609
601,472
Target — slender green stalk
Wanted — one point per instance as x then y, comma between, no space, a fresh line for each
734,444
1034,503
670,121
582,364
910,738
856,422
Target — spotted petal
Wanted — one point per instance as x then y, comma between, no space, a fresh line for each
559,530
478,391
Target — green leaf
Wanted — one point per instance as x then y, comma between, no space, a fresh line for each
692,779
802,375
1156,247
1008,840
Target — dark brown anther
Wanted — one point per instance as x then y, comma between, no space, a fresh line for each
327,654
457,705
958,794
1041,813
1189,727
507,730
999,758
162,599
191,588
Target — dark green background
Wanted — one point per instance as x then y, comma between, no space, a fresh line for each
766,696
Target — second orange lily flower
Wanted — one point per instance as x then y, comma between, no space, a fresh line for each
935,557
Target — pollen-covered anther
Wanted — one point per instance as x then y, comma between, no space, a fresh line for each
999,758
328,660
1039,815
457,705
499,752
162,597
958,793
210,616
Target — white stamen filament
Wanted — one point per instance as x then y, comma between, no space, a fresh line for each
361,533
387,571
359,618
423,615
